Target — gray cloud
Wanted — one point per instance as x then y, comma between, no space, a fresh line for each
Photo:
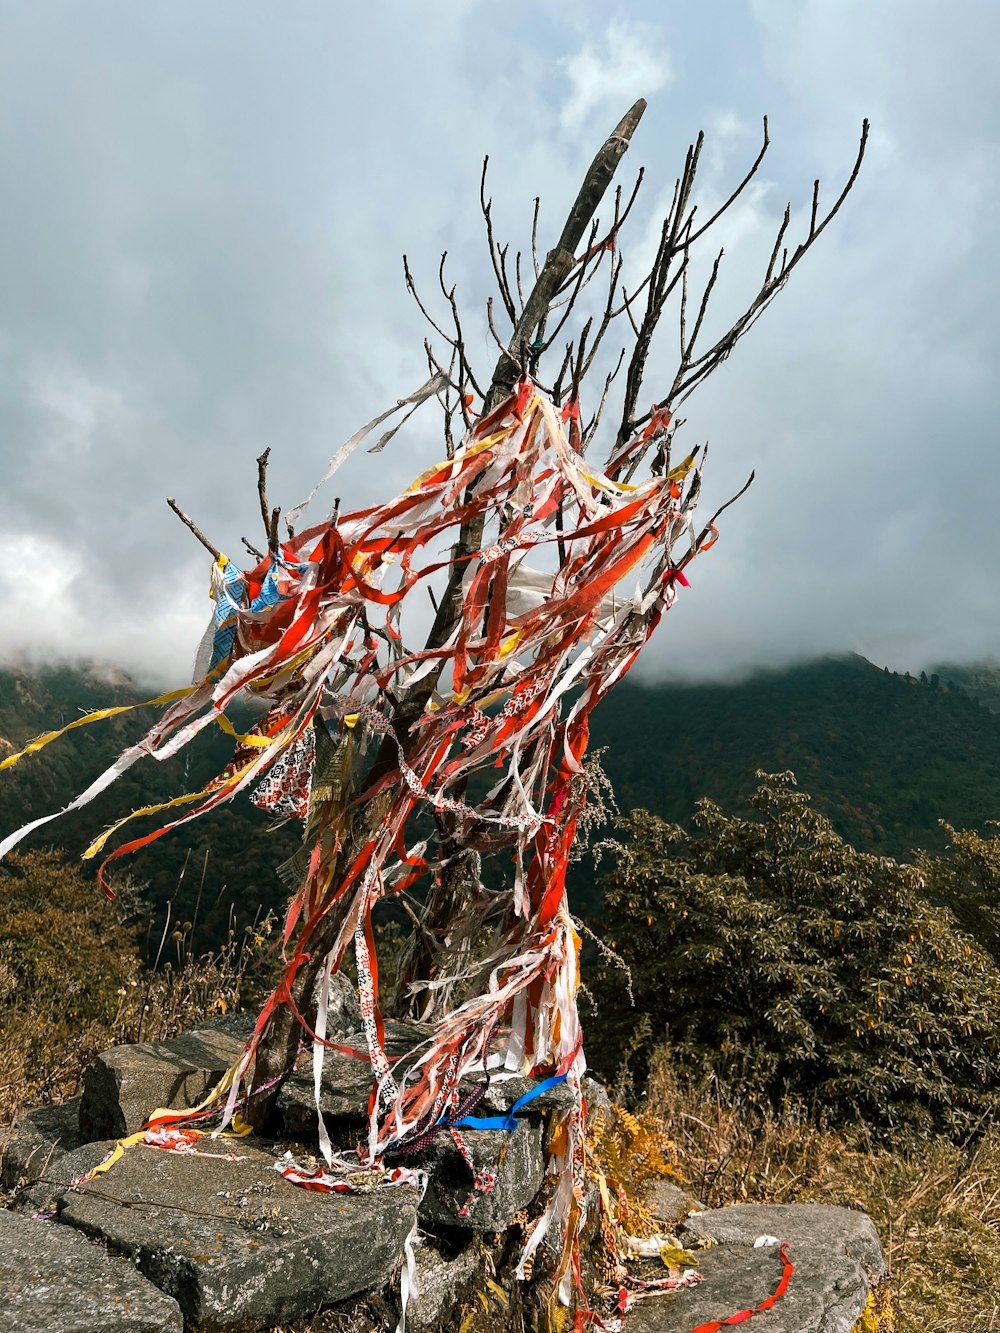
205,210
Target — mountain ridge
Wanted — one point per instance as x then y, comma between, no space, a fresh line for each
884,756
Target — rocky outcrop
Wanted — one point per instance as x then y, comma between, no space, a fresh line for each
124,1084
36,1141
836,1255
216,1238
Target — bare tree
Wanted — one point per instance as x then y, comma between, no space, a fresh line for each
362,728
554,309
555,322
550,317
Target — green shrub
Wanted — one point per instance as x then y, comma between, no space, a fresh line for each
797,968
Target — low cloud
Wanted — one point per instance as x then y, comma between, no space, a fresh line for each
628,60
203,227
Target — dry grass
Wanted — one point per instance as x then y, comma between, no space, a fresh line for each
67,993
936,1207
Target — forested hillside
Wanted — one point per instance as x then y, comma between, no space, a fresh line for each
218,864
883,756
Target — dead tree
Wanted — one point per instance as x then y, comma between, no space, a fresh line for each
363,729
555,307
550,317
555,342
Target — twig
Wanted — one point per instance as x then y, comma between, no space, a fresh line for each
190,523
265,508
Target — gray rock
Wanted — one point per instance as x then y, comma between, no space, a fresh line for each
831,1249
834,1231
503,1092
669,1203
347,1084
517,1158
233,1242
36,1140
42,1196
440,1285
343,1101
126,1083
343,1014
597,1099
54,1279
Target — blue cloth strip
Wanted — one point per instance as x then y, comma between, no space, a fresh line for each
508,1121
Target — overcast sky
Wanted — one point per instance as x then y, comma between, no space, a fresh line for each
205,207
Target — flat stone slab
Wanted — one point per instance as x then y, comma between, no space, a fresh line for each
834,1251
123,1085
36,1140
833,1230
41,1197
51,1278
233,1242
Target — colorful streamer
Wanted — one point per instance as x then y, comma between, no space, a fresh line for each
574,572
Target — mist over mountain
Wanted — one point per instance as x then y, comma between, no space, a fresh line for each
884,756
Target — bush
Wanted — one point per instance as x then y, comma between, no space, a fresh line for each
72,982
797,969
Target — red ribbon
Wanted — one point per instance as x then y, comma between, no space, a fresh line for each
741,1316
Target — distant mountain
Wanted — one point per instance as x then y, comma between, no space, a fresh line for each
884,756
980,679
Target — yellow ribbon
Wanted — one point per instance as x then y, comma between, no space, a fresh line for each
259,742
470,451
682,469
116,1155
98,715
186,799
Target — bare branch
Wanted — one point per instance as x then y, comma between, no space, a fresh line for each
465,373
190,523
487,207
724,208
258,555
777,245
560,259
587,435
411,287
706,297
709,360
265,511
608,315
567,361
508,294
492,327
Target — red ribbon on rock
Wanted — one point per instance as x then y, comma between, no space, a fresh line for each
741,1316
